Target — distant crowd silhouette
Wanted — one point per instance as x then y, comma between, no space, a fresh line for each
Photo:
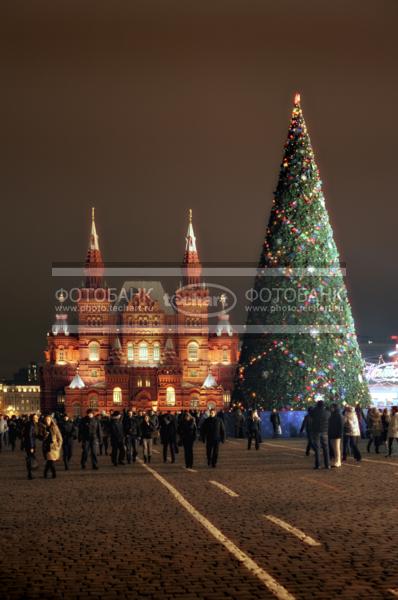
120,435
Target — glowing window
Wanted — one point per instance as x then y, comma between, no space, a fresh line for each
93,351
156,351
193,351
143,351
93,402
117,395
227,397
147,383
225,355
170,396
130,351
139,382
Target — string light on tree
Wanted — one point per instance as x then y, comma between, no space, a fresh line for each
315,350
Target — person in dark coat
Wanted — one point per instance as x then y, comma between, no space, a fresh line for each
212,432
239,422
187,432
319,428
68,432
335,433
105,427
154,419
147,432
131,435
30,434
12,432
253,428
276,422
305,426
90,434
168,436
117,439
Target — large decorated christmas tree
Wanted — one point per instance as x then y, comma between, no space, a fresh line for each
300,343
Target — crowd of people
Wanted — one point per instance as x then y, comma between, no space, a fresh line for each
337,432
120,435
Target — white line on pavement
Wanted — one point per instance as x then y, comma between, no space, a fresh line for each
225,489
325,485
276,588
379,462
282,446
190,470
291,529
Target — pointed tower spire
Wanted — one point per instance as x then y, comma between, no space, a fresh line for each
191,266
94,267
94,245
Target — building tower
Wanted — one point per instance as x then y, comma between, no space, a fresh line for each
192,300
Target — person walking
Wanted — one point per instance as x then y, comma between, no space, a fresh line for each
253,428
335,433
105,428
352,433
238,422
131,434
385,419
68,432
52,443
375,429
276,423
154,419
30,434
392,432
12,432
212,432
168,436
305,426
187,432
147,432
319,428
3,429
90,435
116,429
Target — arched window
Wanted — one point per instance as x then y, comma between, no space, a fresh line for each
193,351
195,401
93,402
93,351
117,395
227,397
143,351
60,398
170,396
139,382
225,355
147,383
156,351
130,351
61,356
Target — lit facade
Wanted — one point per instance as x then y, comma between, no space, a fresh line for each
19,399
146,354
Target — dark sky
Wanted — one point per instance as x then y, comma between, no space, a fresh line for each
147,108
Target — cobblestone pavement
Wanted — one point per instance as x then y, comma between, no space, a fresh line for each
120,533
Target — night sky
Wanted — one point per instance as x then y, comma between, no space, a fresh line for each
147,108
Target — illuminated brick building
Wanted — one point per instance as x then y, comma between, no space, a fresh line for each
149,353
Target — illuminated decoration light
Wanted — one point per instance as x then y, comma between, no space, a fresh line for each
299,236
